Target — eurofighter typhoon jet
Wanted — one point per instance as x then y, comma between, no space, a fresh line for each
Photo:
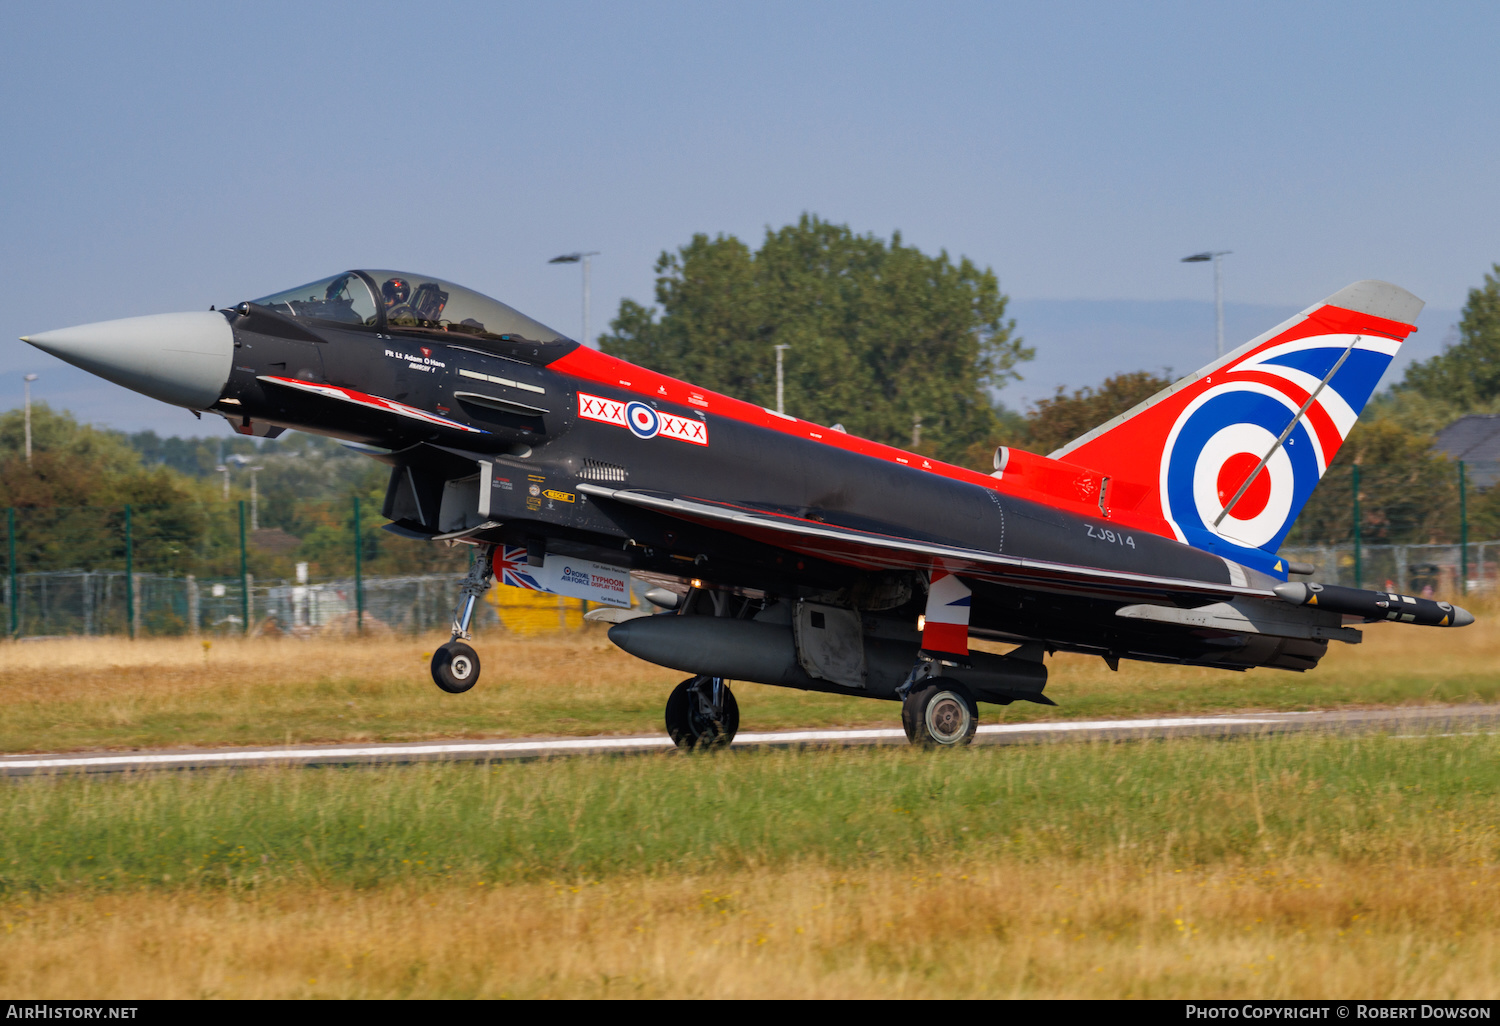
789,553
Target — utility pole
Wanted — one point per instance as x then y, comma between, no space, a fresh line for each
28,379
1217,258
580,258
243,462
254,499
916,430
780,379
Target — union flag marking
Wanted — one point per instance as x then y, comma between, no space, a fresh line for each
512,569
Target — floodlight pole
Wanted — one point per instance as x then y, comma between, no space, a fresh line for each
28,379
587,271
1217,258
580,258
1219,304
780,379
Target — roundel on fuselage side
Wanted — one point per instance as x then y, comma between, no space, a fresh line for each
642,420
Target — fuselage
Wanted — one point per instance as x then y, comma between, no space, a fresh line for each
796,554
499,429
552,416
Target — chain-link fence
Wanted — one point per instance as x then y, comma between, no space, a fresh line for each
211,569
327,566
1432,570
92,603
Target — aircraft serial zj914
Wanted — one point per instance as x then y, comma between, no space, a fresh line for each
787,553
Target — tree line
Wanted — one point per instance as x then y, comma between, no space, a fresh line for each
69,503
900,346
913,350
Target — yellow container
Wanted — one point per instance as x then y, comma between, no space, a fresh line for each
526,612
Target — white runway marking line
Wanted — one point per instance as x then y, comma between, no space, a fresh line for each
600,744
1180,721
1006,728
325,754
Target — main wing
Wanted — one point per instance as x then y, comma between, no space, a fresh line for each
872,550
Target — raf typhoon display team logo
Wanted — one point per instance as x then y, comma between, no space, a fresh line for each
1244,455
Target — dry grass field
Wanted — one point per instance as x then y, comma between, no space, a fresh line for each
1291,867
1296,866
1299,929
116,694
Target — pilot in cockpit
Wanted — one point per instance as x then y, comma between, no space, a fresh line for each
395,292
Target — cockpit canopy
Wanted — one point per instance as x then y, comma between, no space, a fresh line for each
397,301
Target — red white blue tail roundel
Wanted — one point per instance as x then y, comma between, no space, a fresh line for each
1280,414
1233,453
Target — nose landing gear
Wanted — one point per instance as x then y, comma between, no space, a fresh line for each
455,666
702,713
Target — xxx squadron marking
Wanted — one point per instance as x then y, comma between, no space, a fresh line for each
641,420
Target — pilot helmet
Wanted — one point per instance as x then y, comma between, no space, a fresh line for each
395,291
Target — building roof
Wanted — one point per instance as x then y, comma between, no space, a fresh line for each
1475,439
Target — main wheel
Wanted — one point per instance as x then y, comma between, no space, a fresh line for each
940,714
455,667
691,718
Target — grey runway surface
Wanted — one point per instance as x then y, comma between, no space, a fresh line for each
1423,719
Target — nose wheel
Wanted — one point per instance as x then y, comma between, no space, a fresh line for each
702,713
455,666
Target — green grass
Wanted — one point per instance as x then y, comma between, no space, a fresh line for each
112,693
1175,692
1419,800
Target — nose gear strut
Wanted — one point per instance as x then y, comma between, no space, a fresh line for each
455,666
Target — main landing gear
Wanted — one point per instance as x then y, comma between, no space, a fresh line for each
937,712
455,666
702,713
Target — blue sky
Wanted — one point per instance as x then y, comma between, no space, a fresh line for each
166,156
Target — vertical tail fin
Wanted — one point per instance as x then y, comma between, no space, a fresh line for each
1234,451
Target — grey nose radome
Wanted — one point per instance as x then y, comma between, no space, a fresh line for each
180,358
